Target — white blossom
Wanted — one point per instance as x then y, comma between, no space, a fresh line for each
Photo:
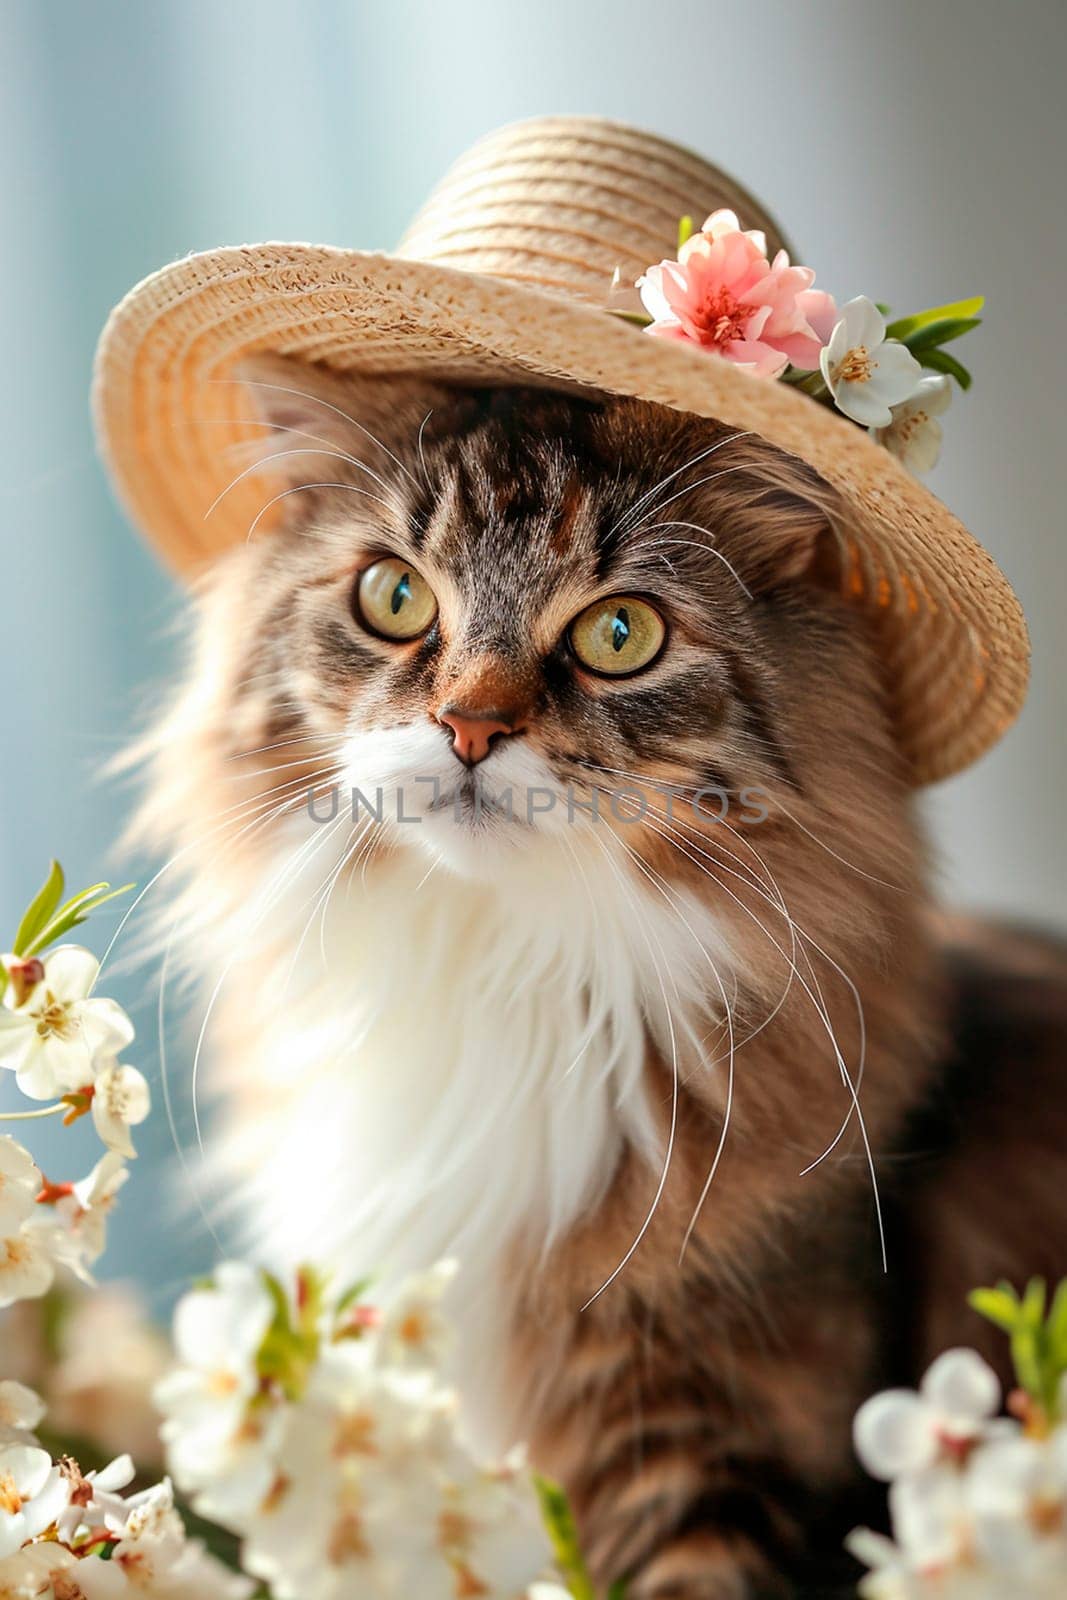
151,1558
29,1572
53,1040
1017,1497
20,1184
27,1265
493,1530
121,1100
218,1450
900,1431
20,1409
94,1497
914,434
414,1331
349,1476
866,373
72,1228
33,1493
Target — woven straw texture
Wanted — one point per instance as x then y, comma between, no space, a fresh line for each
504,275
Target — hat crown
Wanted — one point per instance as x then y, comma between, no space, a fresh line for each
558,203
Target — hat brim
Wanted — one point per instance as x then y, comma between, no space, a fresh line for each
950,627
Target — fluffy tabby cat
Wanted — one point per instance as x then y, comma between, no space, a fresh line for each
668,1079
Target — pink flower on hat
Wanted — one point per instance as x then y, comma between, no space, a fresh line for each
723,293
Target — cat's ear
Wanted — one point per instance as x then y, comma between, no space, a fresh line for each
312,413
773,517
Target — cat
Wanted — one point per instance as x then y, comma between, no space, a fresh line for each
617,977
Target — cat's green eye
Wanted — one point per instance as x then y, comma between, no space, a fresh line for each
618,636
393,600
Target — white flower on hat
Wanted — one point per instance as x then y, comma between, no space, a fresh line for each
914,435
121,1100
51,1041
866,373
33,1493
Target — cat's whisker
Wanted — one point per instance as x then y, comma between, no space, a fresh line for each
650,494
424,469
168,1102
690,488
672,1133
852,1087
281,455
229,815
276,766
769,1018
289,870
692,544
319,898
300,488
660,883
857,999
776,902
301,738
428,874
851,865
281,388
272,810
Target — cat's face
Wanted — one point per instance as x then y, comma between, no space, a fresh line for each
490,614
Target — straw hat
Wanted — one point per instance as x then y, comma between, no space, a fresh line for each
504,275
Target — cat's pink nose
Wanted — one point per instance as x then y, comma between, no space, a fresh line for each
473,735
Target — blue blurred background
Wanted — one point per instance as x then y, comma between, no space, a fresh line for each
915,152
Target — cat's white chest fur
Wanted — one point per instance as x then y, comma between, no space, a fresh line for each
458,1063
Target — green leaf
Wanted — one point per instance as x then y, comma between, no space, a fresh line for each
1057,1323
1000,1306
635,317
883,309
559,1521
1038,1333
1026,1354
73,913
280,1334
941,361
40,909
1033,1304
958,309
685,230
354,1292
939,333
617,1591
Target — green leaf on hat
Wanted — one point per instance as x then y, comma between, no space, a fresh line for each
958,310
941,332
941,361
